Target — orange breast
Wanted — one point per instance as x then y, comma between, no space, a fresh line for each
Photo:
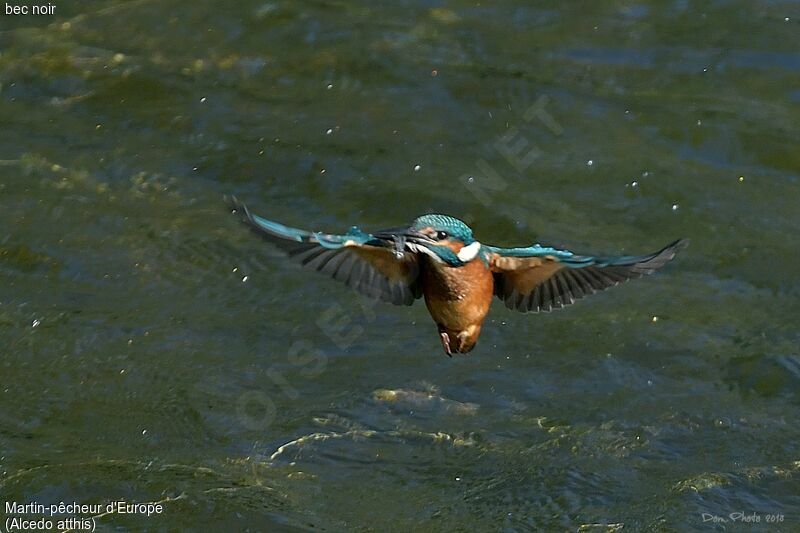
458,298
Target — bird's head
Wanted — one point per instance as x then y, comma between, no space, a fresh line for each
444,238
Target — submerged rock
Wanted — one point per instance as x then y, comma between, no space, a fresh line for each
428,399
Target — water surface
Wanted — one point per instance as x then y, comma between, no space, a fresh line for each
154,350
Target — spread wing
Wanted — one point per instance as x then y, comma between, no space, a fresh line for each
369,264
537,278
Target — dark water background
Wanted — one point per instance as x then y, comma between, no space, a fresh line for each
137,364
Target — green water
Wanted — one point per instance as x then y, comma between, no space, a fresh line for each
137,364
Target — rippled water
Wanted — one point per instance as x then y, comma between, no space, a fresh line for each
154,350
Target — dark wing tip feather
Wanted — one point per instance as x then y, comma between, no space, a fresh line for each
235,204
239,208
645,265
291,240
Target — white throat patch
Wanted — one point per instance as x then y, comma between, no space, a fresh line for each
468,253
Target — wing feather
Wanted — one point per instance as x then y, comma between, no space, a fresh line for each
576,291
542,279
360,260
537,301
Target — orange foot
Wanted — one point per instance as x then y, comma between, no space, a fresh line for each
446,343
465,342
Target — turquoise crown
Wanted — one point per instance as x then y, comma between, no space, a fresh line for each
452,226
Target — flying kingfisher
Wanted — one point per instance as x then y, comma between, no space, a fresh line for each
437,258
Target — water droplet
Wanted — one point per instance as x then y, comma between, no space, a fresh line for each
589,163
417,168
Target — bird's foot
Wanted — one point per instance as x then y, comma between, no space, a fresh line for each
465,343
446,343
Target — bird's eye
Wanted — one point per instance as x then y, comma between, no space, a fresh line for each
441,235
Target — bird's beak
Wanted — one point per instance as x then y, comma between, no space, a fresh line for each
407,233
417,237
